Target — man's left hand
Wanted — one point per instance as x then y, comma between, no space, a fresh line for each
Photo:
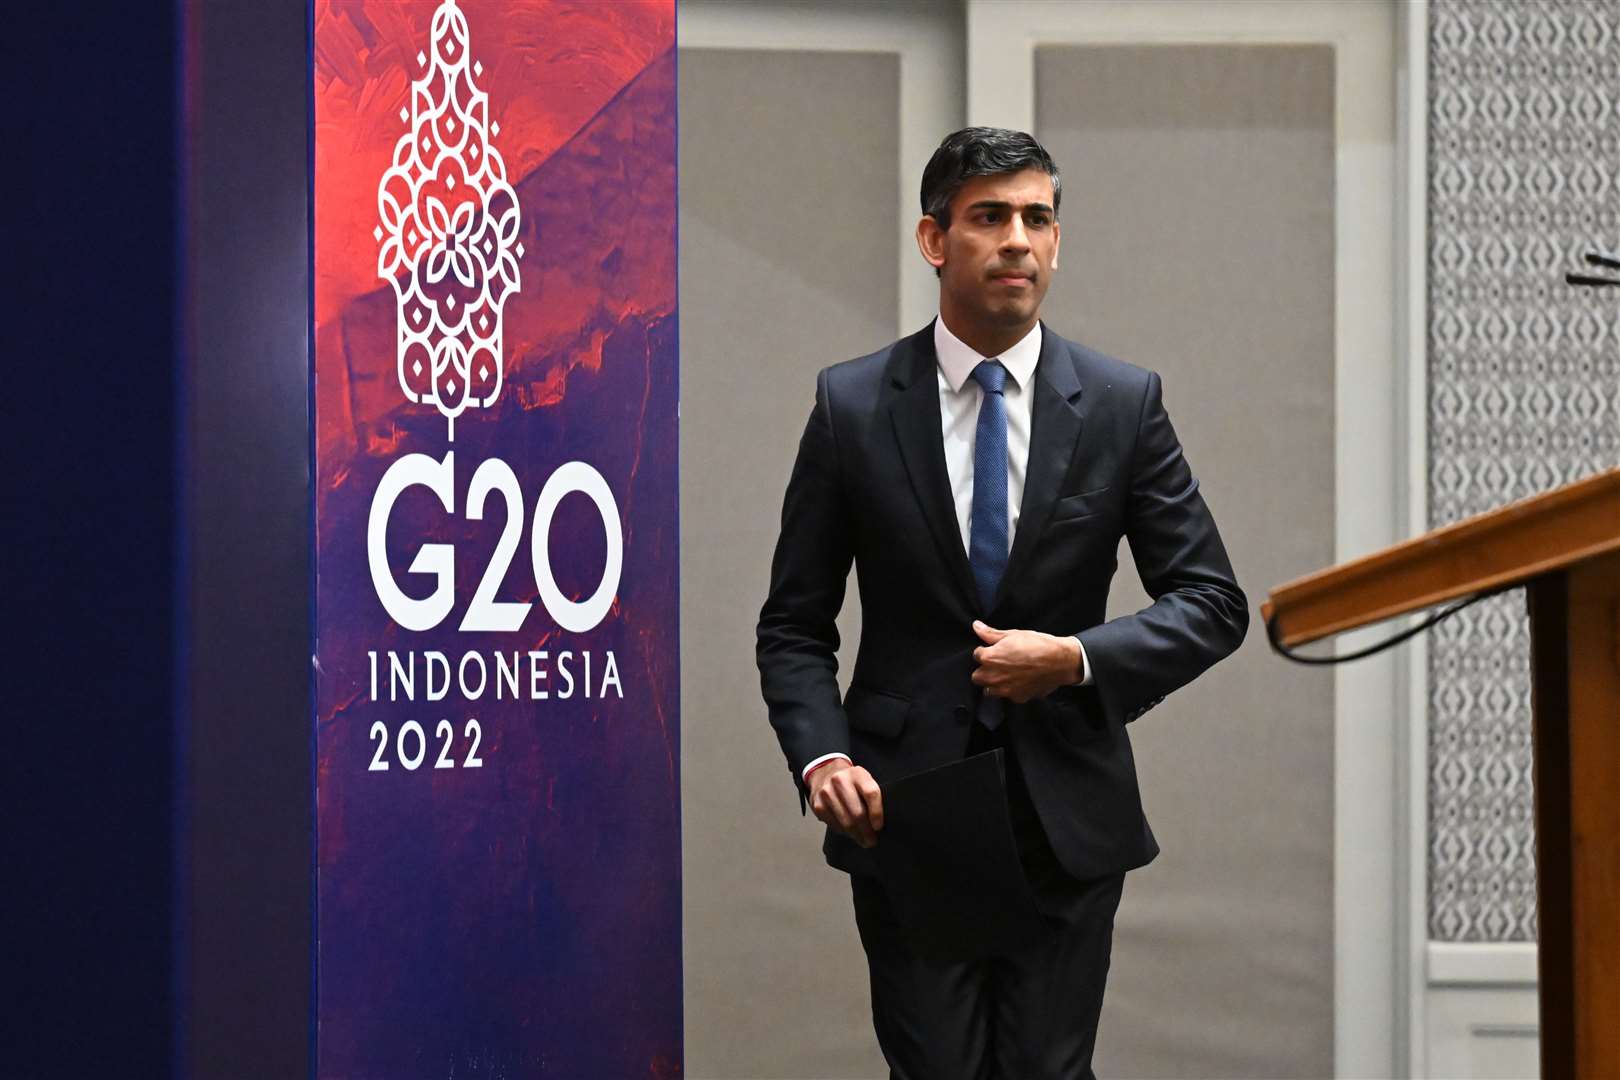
1021,665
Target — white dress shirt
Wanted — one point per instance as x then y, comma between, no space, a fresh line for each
959,399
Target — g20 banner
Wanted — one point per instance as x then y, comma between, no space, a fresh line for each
496,616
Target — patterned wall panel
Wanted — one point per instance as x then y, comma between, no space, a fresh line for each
1524,174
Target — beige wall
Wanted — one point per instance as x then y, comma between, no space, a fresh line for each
788,218
1198,240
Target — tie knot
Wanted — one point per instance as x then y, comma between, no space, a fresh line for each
990,375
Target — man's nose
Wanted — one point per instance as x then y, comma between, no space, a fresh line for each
1016,238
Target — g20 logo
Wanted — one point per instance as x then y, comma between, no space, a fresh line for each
494,477
448,245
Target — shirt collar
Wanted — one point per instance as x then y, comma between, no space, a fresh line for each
957,359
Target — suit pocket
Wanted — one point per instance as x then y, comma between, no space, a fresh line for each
1075,716
876,712
1085,504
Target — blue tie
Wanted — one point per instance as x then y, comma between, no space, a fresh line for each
987,529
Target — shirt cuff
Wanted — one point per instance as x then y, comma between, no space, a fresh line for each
1085,664
805,775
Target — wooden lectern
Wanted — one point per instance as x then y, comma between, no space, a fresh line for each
1564,547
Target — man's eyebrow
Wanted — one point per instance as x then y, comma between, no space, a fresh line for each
999,204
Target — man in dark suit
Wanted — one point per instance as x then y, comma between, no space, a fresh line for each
979,475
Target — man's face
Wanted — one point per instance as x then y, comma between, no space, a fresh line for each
996,259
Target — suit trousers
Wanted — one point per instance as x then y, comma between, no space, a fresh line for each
1030,1015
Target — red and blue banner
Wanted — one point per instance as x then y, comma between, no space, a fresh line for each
497,659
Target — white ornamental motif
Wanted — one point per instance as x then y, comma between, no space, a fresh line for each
449,231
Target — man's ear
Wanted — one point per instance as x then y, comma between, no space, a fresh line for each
931,241
1057,242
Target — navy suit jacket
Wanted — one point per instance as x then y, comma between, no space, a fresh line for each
870,488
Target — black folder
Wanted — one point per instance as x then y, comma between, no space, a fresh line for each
948,861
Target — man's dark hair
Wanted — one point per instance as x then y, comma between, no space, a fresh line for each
981,151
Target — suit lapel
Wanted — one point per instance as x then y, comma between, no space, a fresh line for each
1055,425
915,412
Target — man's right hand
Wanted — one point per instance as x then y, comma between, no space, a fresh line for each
845,796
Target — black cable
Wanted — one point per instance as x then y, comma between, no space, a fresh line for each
1606,259
1443,613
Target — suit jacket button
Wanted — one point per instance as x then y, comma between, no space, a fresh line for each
961,712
